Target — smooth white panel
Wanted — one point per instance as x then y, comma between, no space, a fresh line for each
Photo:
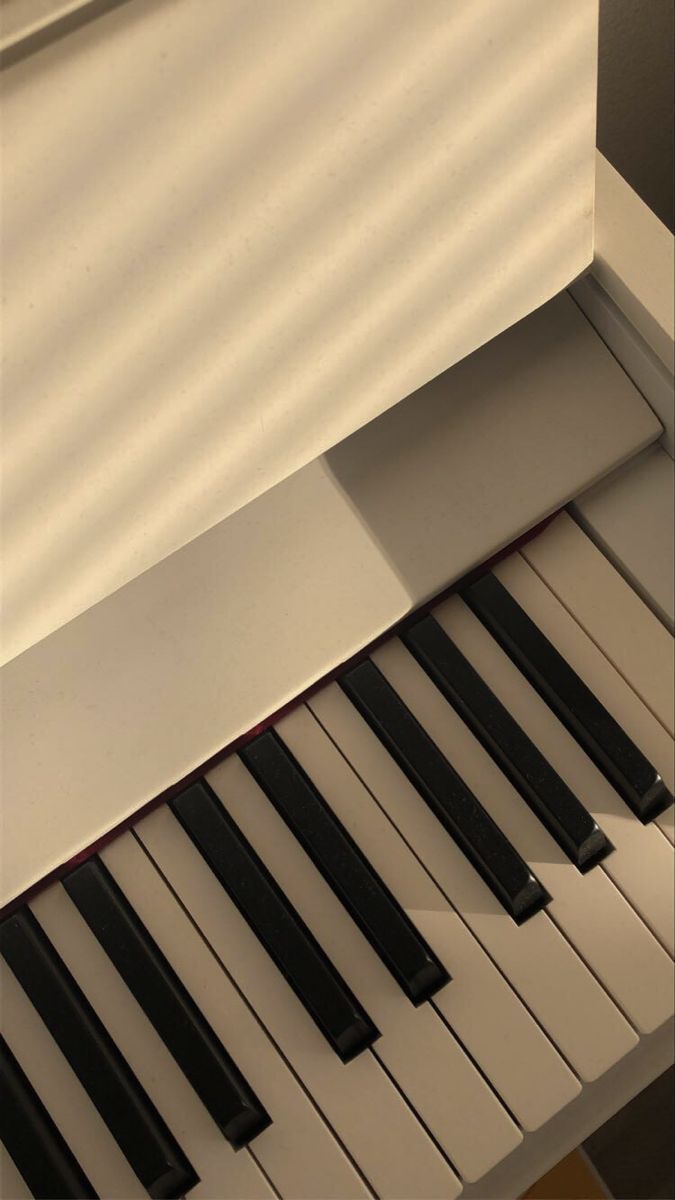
230,241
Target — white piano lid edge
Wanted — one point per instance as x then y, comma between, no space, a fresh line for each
131,696
628,295
637,358
634,260
630,515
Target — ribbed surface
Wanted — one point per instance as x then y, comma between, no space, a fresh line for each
234,232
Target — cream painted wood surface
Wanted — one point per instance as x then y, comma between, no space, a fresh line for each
635,260
630,515
229,242
133,694
637,358
628,297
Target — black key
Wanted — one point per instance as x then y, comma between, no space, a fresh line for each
458,810
33,1141
196,1048
377,913
130,1115
283,933
565,817
603,739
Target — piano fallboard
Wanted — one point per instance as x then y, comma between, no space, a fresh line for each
137,692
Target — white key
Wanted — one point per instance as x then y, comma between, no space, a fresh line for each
494,1025
561,993
362,1106
298,1152
12,1183
416,1047
597,671
222,1172
641,864
609,611
63,1096
591,912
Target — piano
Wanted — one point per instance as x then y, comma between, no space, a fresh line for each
338,807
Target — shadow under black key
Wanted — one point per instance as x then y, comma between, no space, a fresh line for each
573,827
333,851
316,982
573,702
507,875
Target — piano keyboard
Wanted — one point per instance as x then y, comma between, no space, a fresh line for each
388,939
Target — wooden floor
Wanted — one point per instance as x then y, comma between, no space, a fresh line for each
628,1158
572,1179
633,1153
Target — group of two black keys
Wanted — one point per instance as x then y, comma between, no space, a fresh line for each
129,1113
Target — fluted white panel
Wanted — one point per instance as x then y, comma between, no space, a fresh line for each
237,230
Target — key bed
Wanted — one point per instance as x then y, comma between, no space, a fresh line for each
225,991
